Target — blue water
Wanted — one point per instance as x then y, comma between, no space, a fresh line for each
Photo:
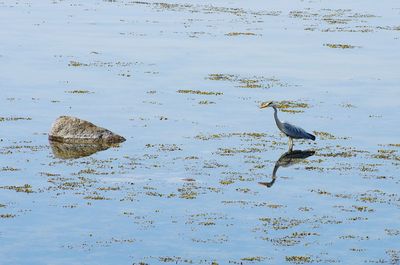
170,194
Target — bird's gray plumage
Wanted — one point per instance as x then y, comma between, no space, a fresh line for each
295,132
290,130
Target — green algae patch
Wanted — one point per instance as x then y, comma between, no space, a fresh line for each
15,119
47,174
221,77
206,102
386,154
362,208
305,209
25,188
233,151
62,183
199,92
280,223
173,259
207,223
344,154
245,136
340,46
292,239
348,106
79,91
101,64
291,106
108,188
96,198
275,206
240,34
188,191
226,182
9,169
165,147
253,259
248,81
298,259
395,28
77,64
334,20
324,135
243,190
244,14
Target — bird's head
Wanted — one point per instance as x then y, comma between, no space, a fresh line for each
267,104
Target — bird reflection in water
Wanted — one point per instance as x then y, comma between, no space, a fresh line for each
73,151
286,160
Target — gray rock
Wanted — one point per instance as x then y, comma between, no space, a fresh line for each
68,129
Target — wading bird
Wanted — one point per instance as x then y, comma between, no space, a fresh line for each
291,131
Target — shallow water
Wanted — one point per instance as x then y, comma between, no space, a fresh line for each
184,187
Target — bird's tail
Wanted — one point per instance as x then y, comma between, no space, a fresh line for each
312,137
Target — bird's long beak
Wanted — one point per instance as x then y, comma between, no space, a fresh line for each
263,106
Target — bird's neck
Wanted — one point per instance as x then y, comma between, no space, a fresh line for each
278,122
275,170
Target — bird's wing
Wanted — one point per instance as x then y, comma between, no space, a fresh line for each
294,131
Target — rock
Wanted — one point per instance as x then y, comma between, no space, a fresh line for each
68,129
73,151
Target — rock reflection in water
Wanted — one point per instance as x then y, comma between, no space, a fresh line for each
73,151
286,160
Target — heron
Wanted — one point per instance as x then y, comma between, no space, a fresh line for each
290,130
286,160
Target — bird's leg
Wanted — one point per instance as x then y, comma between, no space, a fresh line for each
290,144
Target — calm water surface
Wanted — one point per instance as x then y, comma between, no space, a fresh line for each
182,81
